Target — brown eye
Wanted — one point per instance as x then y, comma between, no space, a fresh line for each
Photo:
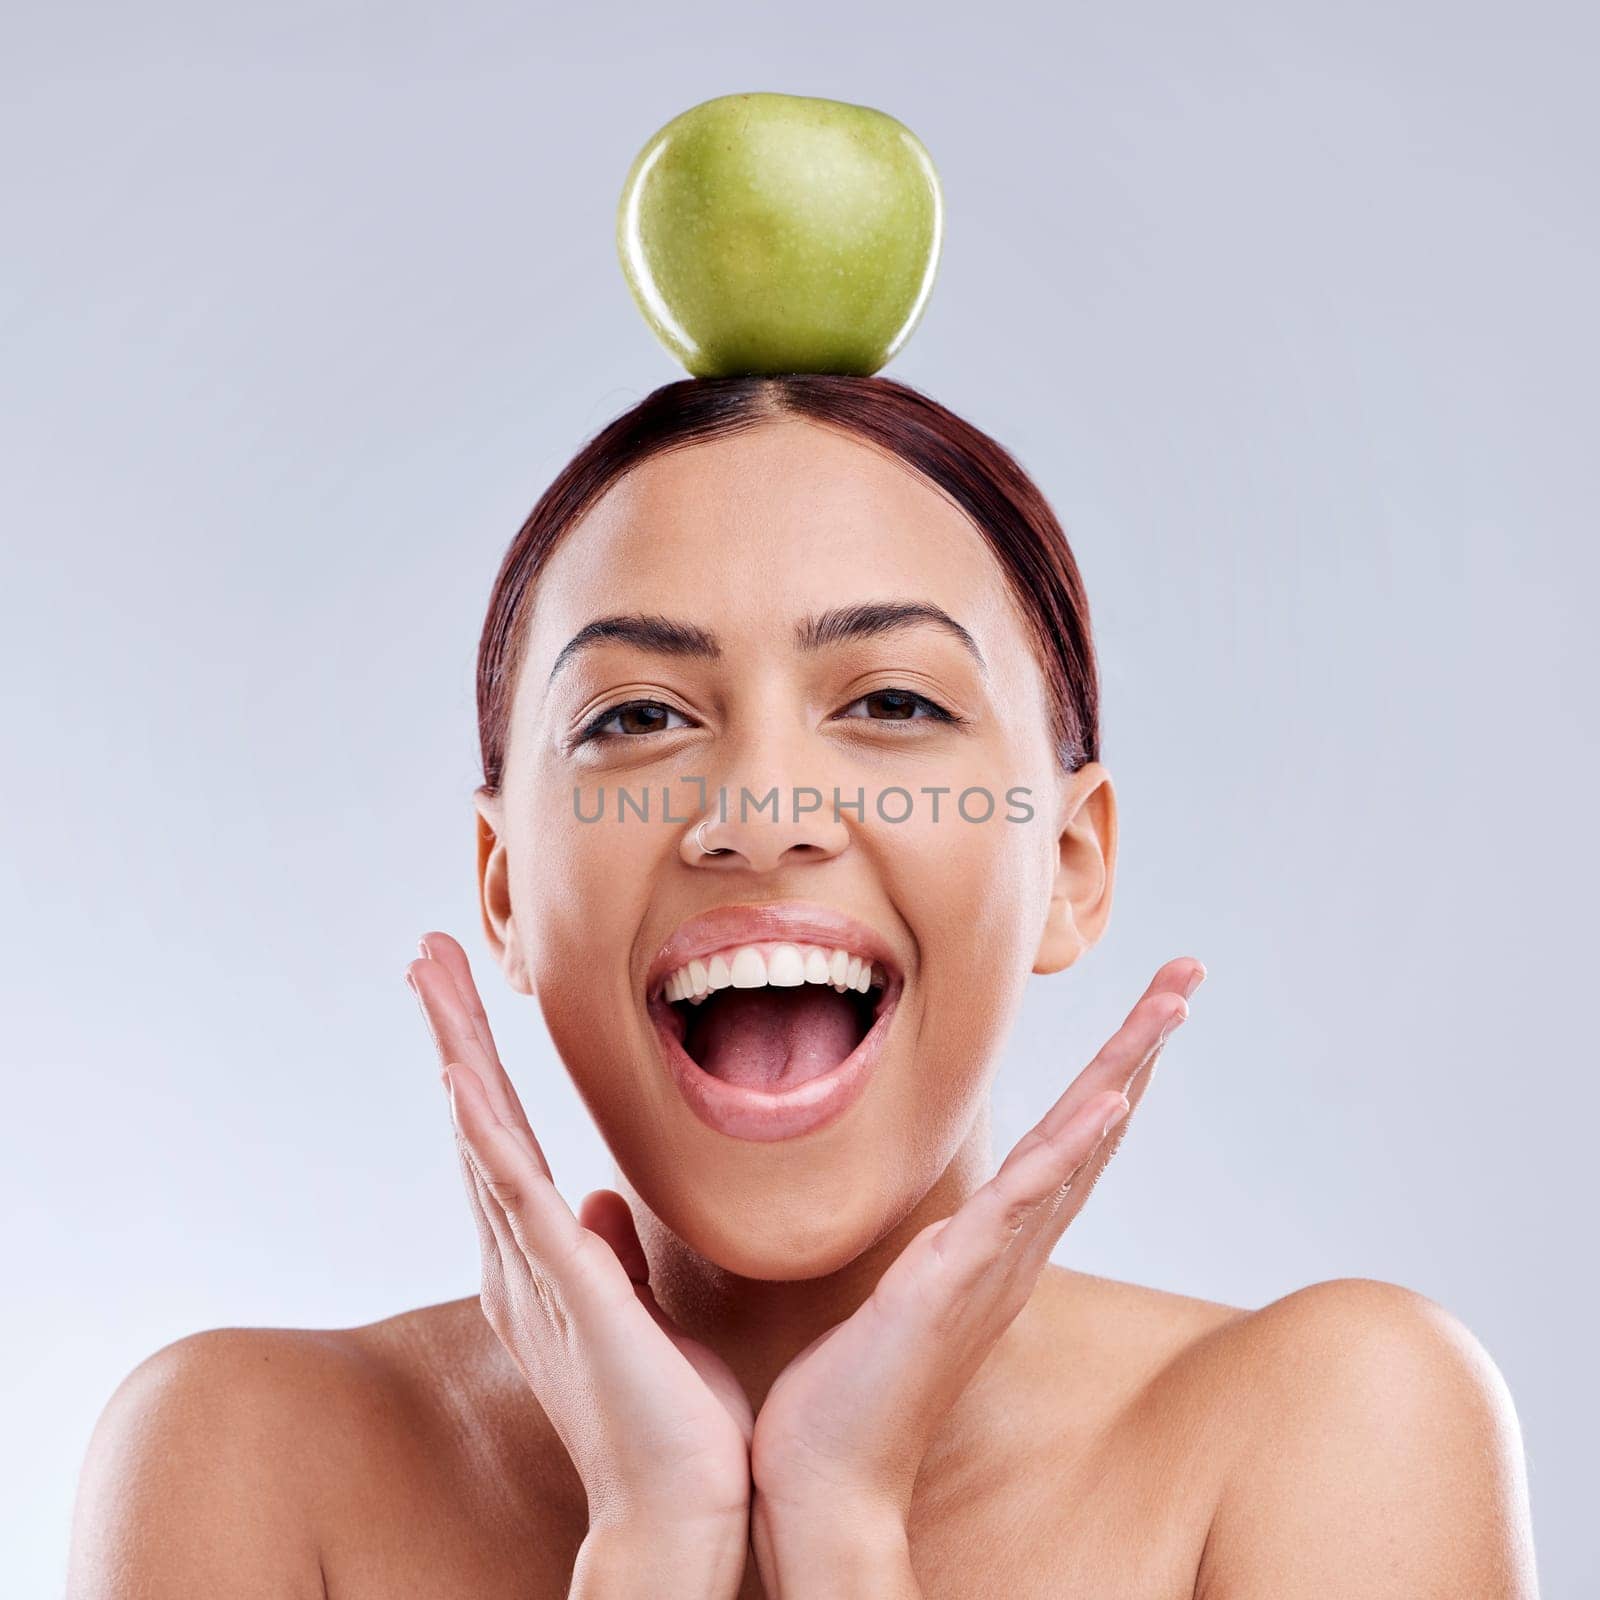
633,719
900,705
893,704
641,719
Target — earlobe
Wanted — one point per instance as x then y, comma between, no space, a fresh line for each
1086,861
494,893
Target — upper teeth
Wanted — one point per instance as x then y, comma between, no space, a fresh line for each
751,966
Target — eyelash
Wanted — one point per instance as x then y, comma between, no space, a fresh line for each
936,713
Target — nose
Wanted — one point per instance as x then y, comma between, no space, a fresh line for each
754,828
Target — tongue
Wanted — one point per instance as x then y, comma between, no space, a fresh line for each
767,1038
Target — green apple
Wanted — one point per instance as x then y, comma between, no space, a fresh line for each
765,233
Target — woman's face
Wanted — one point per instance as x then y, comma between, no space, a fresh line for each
756,555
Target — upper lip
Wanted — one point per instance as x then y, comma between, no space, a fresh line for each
796,921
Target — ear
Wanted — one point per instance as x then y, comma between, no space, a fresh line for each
494,892
1086,865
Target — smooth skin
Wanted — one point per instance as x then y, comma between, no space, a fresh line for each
838,1364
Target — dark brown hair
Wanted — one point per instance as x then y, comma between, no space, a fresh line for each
981,477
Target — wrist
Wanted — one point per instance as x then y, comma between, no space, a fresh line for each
681,1561
844,1551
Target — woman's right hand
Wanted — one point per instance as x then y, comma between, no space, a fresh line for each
656,1423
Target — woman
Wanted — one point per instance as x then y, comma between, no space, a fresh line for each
812,1343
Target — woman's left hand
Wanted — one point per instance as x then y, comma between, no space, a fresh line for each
844,1428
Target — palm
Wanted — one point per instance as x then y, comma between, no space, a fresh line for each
718,1397
725,1389
838,1402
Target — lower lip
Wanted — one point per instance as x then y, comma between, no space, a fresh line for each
768,1114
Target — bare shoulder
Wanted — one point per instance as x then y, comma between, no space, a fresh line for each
195,1478
1135,1306
1132,1336
273,1461
1368,1444
1352,1437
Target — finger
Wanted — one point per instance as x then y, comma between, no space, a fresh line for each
511,1275
455,1008
1014,1220
495,1241
1125,1062
605,1212
448,953
541,1224
1010,1205
1155,1015
1056,1218
1059,1205
506,1273
458,1038
1073,1129
503,1261
1183,974
488,1243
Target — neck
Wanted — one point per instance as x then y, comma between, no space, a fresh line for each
758,1325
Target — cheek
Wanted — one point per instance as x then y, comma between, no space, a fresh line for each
586,886
976,886
975,894
588,896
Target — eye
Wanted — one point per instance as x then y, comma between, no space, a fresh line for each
901,705
633,718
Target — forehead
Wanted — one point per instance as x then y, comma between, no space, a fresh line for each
745,533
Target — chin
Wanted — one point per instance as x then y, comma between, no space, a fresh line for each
780,1241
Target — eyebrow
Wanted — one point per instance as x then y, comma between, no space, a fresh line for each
866,620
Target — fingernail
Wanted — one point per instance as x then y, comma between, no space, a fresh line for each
1117,1114
422,945
1175,1022
1195,982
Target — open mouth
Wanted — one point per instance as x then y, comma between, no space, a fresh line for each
773,1015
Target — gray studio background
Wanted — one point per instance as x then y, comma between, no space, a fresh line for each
1291,312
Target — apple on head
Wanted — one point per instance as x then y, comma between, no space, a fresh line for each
767,233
